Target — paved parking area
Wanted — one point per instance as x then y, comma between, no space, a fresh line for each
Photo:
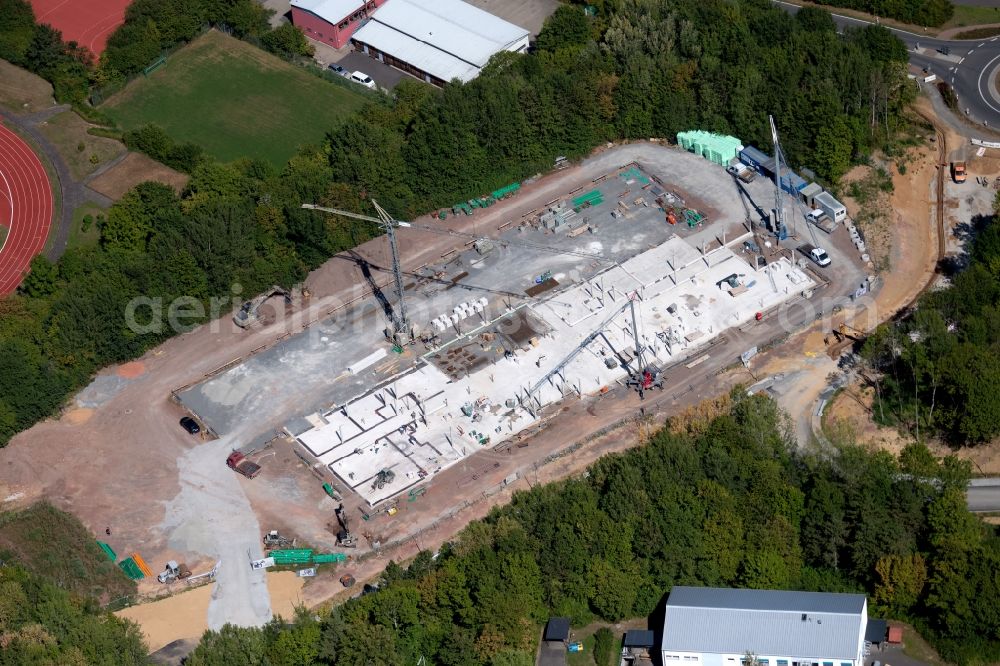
528,14
385,76
552,654
893,656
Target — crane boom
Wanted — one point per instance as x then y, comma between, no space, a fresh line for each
580,347
462,234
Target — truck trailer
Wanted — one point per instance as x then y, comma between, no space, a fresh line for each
826,203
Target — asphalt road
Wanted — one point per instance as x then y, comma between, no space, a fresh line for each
983,495
970,66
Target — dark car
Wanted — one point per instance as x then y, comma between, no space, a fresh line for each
190,425
337,69
944,50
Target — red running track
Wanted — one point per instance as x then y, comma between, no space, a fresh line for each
86,22
25,208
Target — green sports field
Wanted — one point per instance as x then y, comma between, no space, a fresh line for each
234,100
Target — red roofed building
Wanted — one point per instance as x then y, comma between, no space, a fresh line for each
332,21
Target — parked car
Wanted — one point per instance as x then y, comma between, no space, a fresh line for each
337,69
363,79
190,425
944,50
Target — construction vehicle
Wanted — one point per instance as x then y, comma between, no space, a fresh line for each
820,219
817,254
173,571
274,540
239,463
344,536
845,332
958,173
843,337
246,316
383,478
651,377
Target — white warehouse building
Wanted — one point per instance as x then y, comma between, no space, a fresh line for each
437,40
706,626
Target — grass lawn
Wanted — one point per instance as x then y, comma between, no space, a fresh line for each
68,133
584,658
915,646
21,91
55,545
965,15
234,100
77,236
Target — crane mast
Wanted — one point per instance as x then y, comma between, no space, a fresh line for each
779,213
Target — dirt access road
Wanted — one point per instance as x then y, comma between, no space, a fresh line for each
919,230
120,459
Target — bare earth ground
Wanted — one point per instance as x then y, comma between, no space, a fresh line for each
912,256
121,462
184,615
853,406
134,169
23,92
67,131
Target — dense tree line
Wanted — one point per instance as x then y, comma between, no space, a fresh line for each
649,68
920,12
150,28
236,224
727,503
937,371
41,624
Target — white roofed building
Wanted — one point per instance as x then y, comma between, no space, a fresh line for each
707,626
437,40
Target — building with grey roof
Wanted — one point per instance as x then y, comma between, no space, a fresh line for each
707,626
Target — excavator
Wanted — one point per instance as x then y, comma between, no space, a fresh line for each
843,336
246,316
344,537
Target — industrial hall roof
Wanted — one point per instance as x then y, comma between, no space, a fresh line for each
768,622
445,38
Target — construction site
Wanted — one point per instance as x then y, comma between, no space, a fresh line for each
415,381
611,287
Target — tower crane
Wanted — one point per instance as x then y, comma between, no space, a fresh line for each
642,378
400,324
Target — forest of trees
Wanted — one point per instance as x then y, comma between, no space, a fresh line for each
728,502
937,371
42,625
651,69
921,12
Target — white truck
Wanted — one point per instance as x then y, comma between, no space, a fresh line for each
817,254
741,171
820,219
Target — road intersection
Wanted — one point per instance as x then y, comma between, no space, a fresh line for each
969,66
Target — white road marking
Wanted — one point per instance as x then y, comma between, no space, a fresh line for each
979,83
10,197
961,61
981,45
970,51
